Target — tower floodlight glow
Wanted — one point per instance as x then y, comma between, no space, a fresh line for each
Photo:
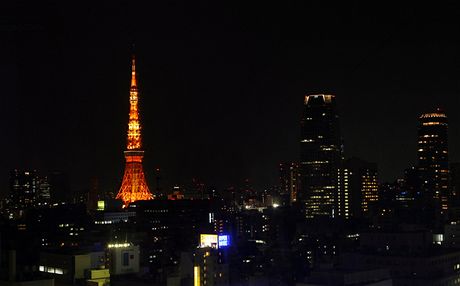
134,187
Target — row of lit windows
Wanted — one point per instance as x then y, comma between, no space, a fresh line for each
433,115
53,270
434,123
156,211
316,162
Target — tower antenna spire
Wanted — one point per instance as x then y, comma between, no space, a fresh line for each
134,186
133,70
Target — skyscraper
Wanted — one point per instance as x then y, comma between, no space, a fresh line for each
454,185
320,156
24,187
433,160
134,186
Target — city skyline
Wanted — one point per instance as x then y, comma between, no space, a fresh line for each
181,143
235,107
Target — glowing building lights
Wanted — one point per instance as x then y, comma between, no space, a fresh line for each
196,276
118,245
208,240
48,269
433,163
433,115
319,156
100,205
224,240
214,241
134,186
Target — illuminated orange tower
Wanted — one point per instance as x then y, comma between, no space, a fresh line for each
134,187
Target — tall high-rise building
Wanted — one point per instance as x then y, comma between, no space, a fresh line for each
455,181
320,156
59,187
44,194
134,186
290,180
433,160
358,187
24,187
454,193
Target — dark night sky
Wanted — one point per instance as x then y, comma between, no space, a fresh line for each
221,85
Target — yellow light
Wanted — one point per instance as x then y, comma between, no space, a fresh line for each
433,115
196,276
100,205
433,123
208,240
118,245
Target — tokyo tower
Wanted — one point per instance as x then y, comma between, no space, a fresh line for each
134,187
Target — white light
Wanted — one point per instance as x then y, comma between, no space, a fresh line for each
118,245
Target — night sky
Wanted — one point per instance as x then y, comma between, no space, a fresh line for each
221,84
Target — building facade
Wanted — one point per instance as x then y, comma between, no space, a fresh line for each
433,160
320,156
358,187
24,187
290,180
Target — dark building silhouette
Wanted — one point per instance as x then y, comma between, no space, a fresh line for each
455,179
289,180
320,156
454,184
171,226
44,193
60,187
433,160
411,185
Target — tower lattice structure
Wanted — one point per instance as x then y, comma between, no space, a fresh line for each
134,186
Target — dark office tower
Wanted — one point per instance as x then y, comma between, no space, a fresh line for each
290,180
59,187
455,180
454,207
412,187
358,188
433,160
44,194
320,156
93,194
24,187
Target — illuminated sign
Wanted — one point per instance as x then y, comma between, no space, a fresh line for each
214,240
208,240
224,240
100,205
211,217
